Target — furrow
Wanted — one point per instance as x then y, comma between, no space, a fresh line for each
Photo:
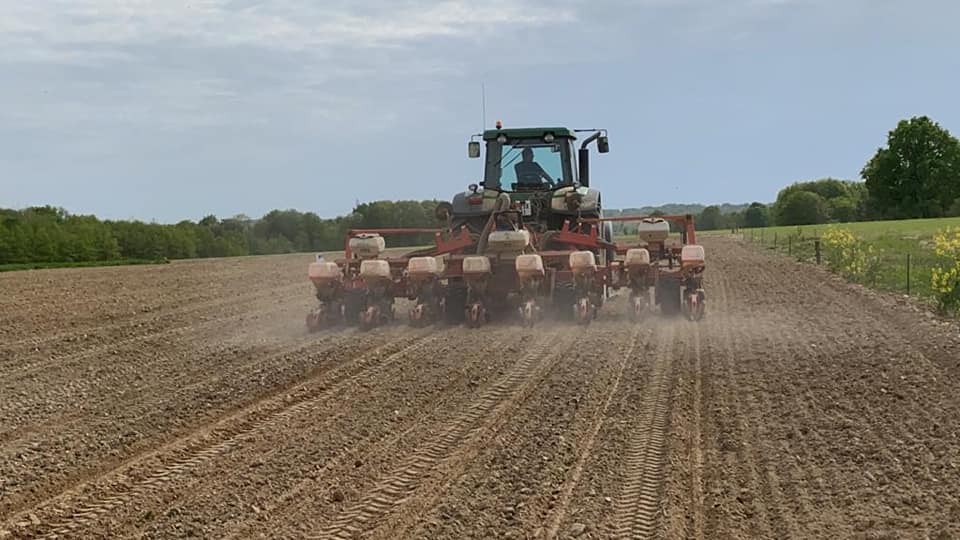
85,503
556,518
27,369
402,483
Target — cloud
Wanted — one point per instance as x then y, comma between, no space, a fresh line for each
41,29
119,89
178,65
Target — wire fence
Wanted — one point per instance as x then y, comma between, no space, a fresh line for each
893,265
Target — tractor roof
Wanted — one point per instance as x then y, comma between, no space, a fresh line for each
528,133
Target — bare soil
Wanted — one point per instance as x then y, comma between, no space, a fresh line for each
188,401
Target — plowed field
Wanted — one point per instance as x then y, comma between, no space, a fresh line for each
187,400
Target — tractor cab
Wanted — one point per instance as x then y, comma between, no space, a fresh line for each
535,171
525,160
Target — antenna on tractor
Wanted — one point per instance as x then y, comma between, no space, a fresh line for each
483,106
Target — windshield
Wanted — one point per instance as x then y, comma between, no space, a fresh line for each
526,164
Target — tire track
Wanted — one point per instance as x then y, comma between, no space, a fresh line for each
32,412
85,503
849,410
755,414
104,411
798,329
773,340
45,449
187,306
696,443
800,348
637,508
742,461
369,449
586,447
25,370
456,441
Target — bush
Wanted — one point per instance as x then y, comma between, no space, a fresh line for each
946,276
954,210
849,255
801,208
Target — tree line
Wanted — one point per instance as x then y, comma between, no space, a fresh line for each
52,235
916,175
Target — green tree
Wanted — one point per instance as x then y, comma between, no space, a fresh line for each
954,210
709,219
48,234
917,174
756,215
209,221
18,248
843,209
44,243
6,243
733,220
801,208
845,200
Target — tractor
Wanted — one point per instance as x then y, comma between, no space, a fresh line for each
527,241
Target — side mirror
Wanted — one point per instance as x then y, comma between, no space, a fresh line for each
473,149
603,145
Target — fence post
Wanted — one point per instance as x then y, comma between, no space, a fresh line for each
816,247
790,246
908,274
774,240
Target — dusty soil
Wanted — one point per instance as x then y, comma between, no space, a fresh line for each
187,400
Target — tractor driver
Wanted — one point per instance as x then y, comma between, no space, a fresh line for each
530,173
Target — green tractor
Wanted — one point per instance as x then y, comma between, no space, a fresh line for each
530,237
532,192
537,169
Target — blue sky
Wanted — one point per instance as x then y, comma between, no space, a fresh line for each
176,109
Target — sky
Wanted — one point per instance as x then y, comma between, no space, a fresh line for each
173,109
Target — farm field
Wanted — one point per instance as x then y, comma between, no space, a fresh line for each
186,400
900,256
874,230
